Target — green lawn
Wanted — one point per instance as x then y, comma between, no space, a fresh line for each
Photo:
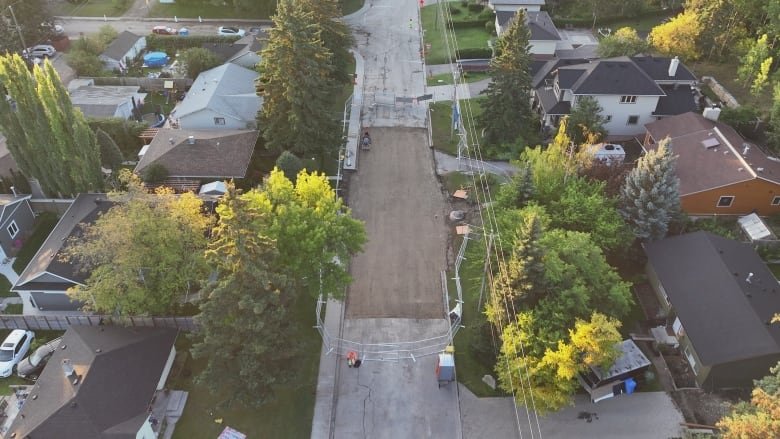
726,75
444,138
13,308
467,38
90,8
5,288
46,223
289,416
446,78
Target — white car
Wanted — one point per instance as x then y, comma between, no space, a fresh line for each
40,51
13,349
229,31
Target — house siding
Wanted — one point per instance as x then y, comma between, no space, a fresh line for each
113,64
749,196
542,47
739,373
204,120
643,107
655,283
25,220
146,432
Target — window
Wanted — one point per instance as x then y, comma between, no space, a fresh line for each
633,120
609,118
20,344
776,200
219,121
725,201
628,99
13,229
691,360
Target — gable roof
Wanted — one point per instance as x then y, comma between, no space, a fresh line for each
102,100
700,168
215,153
724,315
224,51
657,68
227,89
546,70
46,270
119,369
121,45
612,76
540,25
8,205
677,99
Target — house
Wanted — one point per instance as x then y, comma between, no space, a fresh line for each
17,221
243,52
719,172
106,100
99,384
514,5
44,282
544,40
620,377
223,98
632,91
717,297
200,155
123,50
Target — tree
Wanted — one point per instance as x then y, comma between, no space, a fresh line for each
296,82
624,42
650,197
246,329
314,232
335,34
520,190
586,123
774,119
143,254
48,138
290,164
761,77
759,418
197,60
678,36
110,155
34,21
506,116
754,68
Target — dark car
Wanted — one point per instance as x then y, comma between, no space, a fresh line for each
32,366
164,30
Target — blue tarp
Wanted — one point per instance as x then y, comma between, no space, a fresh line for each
155,59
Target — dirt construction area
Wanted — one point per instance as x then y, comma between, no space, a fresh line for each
396,193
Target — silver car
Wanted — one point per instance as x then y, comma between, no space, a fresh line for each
32,366
40,51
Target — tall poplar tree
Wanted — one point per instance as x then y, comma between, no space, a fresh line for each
296,82
650,196
507,115
49,139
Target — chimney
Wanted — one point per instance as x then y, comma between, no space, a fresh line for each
67,369
745,151
673,66
13,189
191,140
750,276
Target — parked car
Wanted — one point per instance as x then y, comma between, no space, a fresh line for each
32,366
164,30
229,31
13,349
40,51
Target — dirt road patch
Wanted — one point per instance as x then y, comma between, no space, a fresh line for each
395,191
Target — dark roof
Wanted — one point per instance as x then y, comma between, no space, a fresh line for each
504,18
613,76
547,69
55,301
701,168
224,51
46,263
215,154
678,100
657,68
536,66
119,369
541,26
725,317
121,45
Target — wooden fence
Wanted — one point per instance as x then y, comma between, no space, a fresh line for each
61,323
147,84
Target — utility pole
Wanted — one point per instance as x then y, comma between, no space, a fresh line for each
18,29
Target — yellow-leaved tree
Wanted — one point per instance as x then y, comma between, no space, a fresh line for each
678,36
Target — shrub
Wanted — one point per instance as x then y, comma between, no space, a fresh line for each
197,60
110,155
474,53
155,173
466,24
454,10
464,3
490,27
487,14
171,44
475,7
290,164
124,132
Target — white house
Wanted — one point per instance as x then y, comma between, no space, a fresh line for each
223,98
632,91
514,5
106,100
545,39
123,50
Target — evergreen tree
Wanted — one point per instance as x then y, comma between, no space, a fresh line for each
48,138
624,42
111,156
586,123
507,116
290,164
296,82
336,35
650,197
519,191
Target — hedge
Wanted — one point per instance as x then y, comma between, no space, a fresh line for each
466,24
474,53
124,132
171,44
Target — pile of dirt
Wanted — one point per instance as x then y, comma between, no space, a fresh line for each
700,407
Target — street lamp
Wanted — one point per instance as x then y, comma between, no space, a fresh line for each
18,29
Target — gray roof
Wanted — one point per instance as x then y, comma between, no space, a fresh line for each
657,68
9,204
102,100
121,45
54,301
612,76
119,370
540,25
677,100
228,89
46,265
215,154
547,70
725,316
224,51
631,359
